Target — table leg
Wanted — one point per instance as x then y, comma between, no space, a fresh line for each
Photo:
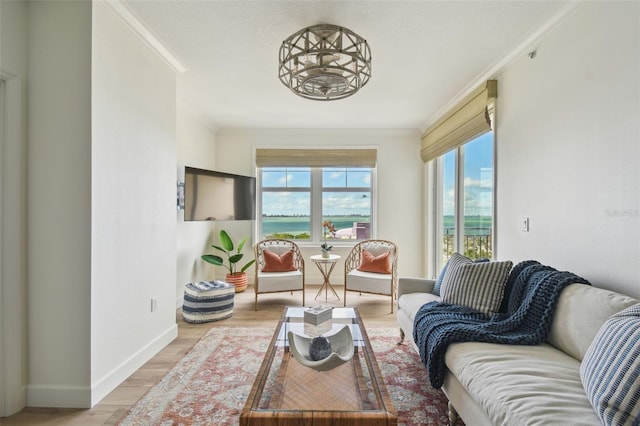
325,269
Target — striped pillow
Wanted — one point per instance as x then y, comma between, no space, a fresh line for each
438,283
610,370
479,286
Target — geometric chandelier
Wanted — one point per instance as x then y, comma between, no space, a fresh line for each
325,62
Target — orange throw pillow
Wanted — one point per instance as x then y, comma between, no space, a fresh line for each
273,262
379,264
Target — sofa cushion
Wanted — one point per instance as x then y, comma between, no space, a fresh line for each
279,281
479,286
369,282
580,312
410,303
522,385
379,264
610,369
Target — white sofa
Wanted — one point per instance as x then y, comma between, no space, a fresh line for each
497,384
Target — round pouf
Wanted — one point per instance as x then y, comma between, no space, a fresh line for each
206,301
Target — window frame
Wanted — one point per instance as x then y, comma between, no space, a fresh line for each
317,190
435,170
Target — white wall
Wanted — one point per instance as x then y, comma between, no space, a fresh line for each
59,201
196,148
101,215
569,149
133,199
399,182
13,209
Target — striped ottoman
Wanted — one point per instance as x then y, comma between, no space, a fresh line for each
206,301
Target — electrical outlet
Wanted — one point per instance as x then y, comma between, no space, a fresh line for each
154,304
525,224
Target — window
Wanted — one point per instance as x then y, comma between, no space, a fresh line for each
464,201
346,201
458,149
295,201
285,202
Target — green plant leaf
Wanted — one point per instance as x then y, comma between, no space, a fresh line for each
245,267
241,245
226,246
225,240
218,248
213,259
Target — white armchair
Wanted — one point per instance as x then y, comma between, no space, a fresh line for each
371,267
280,269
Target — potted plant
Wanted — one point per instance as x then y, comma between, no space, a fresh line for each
235,277
327,228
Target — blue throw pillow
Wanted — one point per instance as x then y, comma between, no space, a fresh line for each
438,284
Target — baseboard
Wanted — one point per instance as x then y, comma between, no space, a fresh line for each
58,396
64,396
113,379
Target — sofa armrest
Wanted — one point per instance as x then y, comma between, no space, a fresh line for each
414,285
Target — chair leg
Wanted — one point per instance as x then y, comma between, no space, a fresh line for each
255,304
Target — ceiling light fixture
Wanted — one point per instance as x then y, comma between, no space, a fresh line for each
325,62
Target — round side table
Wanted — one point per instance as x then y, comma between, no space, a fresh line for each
326,265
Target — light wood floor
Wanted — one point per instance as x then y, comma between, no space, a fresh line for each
375,311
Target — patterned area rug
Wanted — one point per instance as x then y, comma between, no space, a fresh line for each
209,386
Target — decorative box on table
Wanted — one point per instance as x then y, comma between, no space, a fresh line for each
206,301
318,314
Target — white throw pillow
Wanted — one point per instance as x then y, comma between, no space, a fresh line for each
479,286
610,370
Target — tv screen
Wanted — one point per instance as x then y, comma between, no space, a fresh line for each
212,195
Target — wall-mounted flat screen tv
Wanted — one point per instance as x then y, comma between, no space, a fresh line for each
213,195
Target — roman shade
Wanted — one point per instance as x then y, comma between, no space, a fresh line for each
469,119
316,157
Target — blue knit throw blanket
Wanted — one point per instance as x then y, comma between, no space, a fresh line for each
531,294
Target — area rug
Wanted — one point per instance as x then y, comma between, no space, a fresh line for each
210,385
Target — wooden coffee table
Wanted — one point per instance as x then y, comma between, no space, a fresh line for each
286,393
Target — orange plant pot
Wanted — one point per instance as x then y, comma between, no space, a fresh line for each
238,280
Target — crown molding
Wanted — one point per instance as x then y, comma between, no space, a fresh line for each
122,12
526,46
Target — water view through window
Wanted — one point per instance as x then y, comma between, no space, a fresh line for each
466,203
296,201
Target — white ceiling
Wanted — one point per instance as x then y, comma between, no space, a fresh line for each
424,54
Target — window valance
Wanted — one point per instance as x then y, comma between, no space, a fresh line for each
469,119
316,157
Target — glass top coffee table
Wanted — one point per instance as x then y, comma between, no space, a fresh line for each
287,393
